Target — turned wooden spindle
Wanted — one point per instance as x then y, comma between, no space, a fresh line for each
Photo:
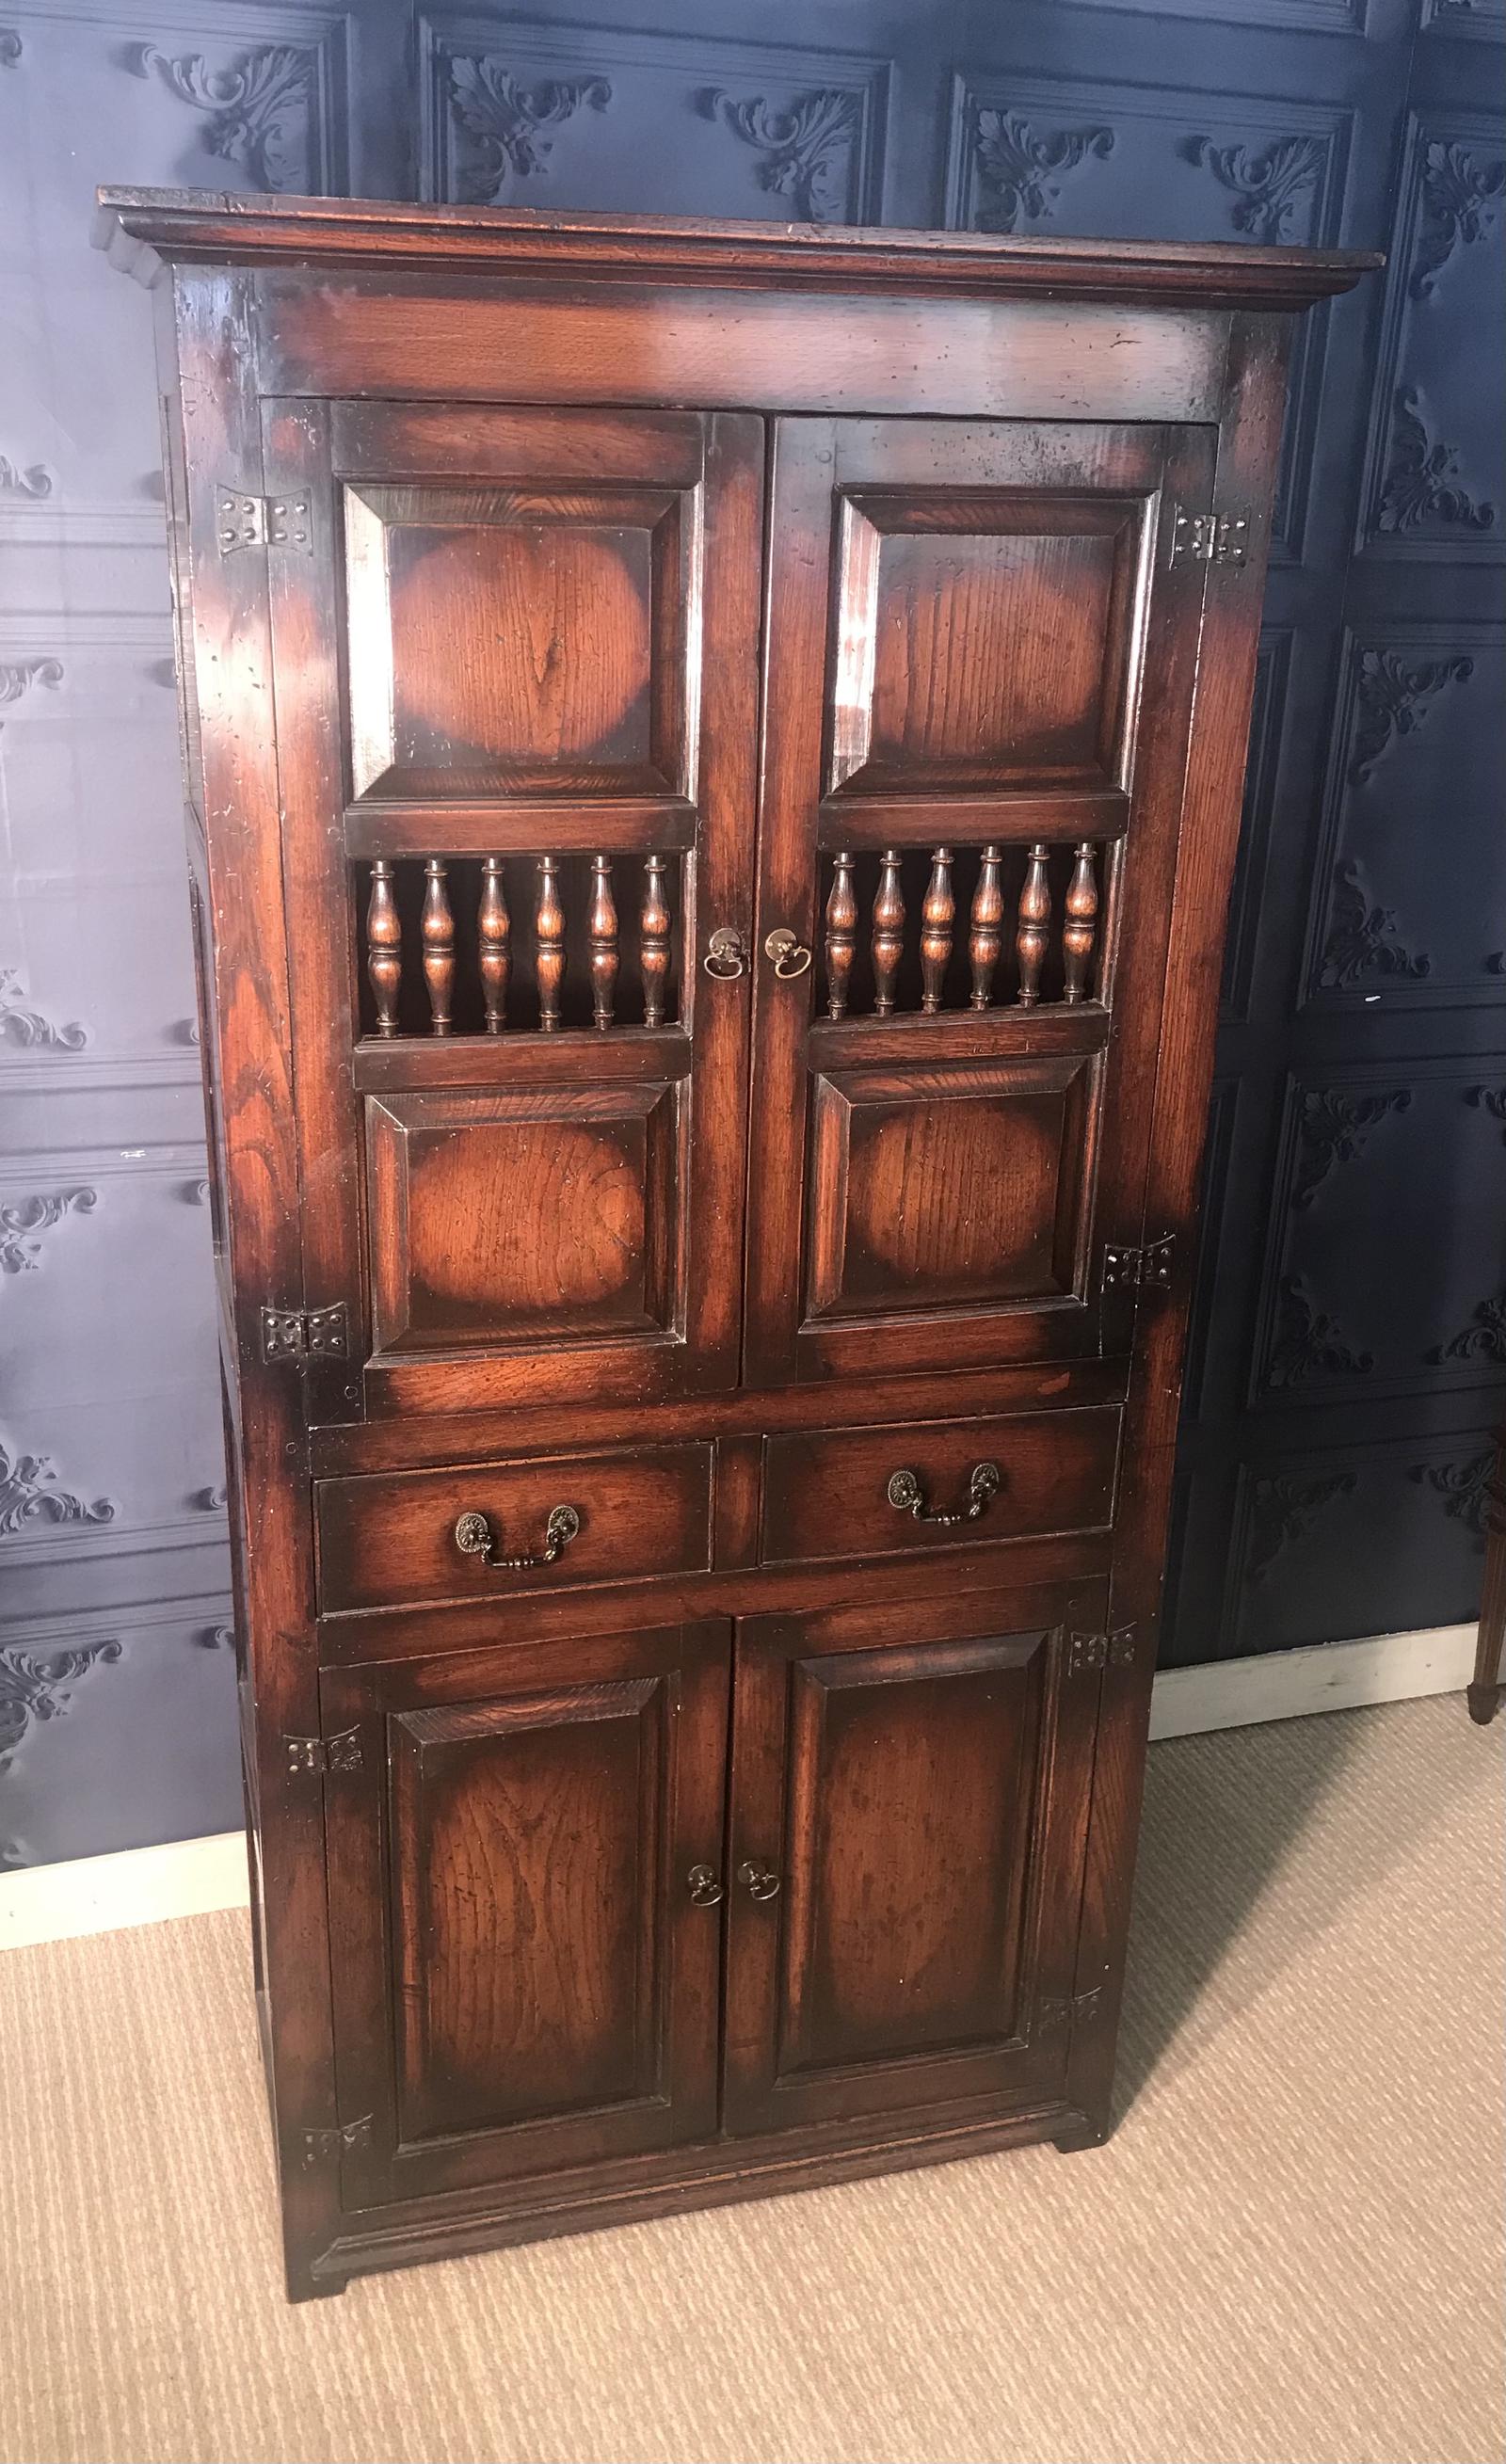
841,935
492,932
602,932
384,948
1034,936
654,934
985,934
888,933
936,929
438,938
549,930
1080,928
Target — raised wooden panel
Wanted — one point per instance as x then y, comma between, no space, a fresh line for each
949,1186
523,1979
525,1857
387,1540
825,1491
513,1217
513,639
904,1775
982,642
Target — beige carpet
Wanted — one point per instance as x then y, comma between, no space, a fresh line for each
1292,2250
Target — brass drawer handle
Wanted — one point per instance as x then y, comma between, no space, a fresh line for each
760,1882
474,1537
790,956
983,1484
704,1884
726,955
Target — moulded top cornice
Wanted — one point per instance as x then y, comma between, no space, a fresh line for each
143,229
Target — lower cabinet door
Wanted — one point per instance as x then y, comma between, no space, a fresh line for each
524,1851
909,1796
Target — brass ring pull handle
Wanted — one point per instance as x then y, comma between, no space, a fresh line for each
474,1537
726,955
760,1882
791,956
704,1885
983,1484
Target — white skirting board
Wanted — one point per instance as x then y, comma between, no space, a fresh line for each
190,1878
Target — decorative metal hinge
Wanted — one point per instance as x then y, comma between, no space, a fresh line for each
305,1335
320,1756
319,2147
1144,1269
1210,538
1115,1649
1054,2011
261,521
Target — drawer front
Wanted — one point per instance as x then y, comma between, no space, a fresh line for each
936,1484
387,1541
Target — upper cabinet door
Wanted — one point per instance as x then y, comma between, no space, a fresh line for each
980,653
515,676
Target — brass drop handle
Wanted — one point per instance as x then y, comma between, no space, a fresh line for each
983,1484
726,955
704,1885
760,1882
474,1537
790,956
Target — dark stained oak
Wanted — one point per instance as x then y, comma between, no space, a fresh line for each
709,838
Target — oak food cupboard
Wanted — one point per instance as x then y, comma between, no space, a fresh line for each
713,758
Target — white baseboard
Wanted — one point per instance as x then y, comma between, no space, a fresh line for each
1324,1677
191,1878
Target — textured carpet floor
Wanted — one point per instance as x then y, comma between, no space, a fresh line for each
1290,2251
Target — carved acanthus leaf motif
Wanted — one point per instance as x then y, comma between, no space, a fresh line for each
1020,173
504,120
1361,938
262,108
9,47
1282,1509
34,481
1330,1130
19,676
1483,1339
29,1499
209,1501
1393,698
1307,1344
216,1638
807,148
1488,1099
28,1029
22,1225
1459,199
1418,484
1273,183
1465,1488
36,1686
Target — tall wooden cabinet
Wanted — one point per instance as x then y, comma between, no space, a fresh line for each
712,764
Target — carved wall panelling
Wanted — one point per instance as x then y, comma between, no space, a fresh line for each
1435,476
1294,17
1109,157
117,1724
1391,1163
537,112
275,111
1420,730
1268,722
35,482
1479,21
24,1221
1375,1538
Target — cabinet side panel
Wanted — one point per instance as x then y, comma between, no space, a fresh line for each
226,653
1249,443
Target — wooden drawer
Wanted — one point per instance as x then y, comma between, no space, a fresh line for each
827,1494
383,1541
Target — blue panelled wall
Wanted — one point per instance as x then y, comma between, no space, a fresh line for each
1349,1350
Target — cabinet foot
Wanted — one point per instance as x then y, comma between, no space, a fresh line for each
1083,2132
1484,1701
